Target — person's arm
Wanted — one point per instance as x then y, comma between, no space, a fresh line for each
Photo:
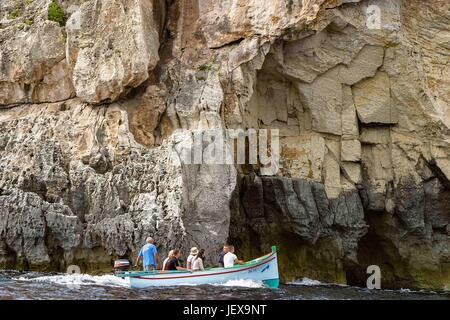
180,268
137,261
201,265
237,261
138,257
184,269
189,264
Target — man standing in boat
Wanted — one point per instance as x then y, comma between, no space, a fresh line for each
149,253
226,249
230,259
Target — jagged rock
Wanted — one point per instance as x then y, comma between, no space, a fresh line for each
324,99
363,118
373,100
299,207
410,199
32,66
207,222
350,128
352,171
377,135
112,199
300,211
317,54
350,150
224,22
331,170
436,204
443,168
364,65
114,48
144,121
431,61
100,161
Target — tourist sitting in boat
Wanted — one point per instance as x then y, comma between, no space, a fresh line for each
192,255
174,264
197,264
230,259
149,253
226,249
169,256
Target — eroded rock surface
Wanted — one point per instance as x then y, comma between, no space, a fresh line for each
362,112
32,56
112,46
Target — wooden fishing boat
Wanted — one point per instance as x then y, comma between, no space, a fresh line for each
263,269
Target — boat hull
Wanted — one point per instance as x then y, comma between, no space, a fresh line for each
265,271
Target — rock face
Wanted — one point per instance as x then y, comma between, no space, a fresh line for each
76,201
112,46
32,56
92,152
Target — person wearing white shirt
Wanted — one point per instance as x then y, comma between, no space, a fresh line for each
230,259
197,263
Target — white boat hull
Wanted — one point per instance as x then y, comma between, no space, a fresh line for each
265,270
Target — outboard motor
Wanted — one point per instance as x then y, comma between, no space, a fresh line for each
121,265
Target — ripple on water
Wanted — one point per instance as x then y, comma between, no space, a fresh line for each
306,282
18,285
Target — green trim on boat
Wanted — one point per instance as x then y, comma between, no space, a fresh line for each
272,283
250,263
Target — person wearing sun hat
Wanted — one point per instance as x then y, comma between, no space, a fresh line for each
192,255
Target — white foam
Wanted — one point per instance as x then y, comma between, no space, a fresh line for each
80,280
307,282
406,290
242,283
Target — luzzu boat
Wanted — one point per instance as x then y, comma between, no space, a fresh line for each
263,269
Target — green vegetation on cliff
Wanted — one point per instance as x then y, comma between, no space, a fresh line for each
56,13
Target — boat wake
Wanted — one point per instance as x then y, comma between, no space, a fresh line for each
307,282
242,283
79,280
113,281
45,286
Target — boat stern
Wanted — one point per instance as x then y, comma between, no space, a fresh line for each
272,283
274,278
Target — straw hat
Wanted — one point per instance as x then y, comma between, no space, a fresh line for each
194,250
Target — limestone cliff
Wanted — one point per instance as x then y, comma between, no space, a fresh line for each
90,105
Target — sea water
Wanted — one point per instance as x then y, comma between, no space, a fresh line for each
30,285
